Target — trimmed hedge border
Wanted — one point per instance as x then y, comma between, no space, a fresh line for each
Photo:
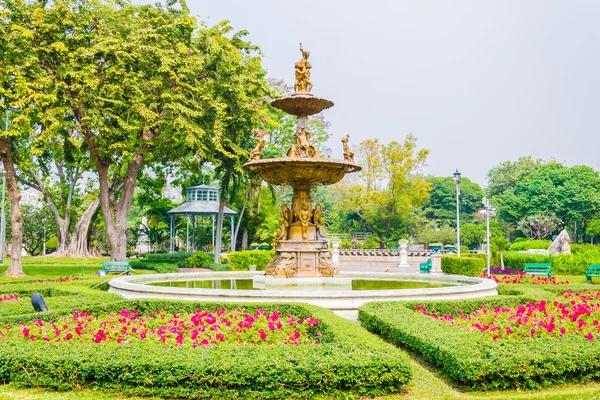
350,361
466,265
478,363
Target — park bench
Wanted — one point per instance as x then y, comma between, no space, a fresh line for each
116,266
593,270
425,267
538,269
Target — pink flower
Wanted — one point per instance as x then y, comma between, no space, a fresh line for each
590,336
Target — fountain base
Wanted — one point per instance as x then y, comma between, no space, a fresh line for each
301,259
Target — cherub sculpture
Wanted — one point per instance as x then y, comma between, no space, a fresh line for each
257,151
304,215
302,83
318,220
348,154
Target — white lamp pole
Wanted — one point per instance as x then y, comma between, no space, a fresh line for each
457,181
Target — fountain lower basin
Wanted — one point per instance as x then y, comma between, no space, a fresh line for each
334,298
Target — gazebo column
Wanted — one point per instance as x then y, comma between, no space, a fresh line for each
187,232
213,230
171,235
193,232
232,238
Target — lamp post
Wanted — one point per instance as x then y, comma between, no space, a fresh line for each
488,211
457,181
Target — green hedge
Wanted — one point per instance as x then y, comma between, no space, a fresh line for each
530,244
517,260
349,362
464,265
241,260
199,259
159,267
476,362
169,257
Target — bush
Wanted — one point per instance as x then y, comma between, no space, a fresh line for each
159,267
241,260
517,260
350,362
464,265
169,257
477,362
218,267
199,260
520,245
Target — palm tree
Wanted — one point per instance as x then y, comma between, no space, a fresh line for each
500,244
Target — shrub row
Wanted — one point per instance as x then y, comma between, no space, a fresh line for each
520,245
349,362
476,362
159,267
568,264
241,260
169,257
199,259
465,265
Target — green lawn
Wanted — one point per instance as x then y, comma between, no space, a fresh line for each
426,383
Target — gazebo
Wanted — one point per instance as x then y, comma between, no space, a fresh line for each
201,200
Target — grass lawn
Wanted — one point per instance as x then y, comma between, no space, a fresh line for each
426,383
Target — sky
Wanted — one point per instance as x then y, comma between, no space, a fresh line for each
476,82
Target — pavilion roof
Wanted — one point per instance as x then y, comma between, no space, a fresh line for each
201,208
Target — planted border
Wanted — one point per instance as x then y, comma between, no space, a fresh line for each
477,362
350,361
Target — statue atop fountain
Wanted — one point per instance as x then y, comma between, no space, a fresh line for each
301,247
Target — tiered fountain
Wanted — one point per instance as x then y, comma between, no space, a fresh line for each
301,247
302,270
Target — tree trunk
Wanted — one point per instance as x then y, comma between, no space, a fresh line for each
79,239
63,247
245,238
237,228
502,260
15,268
219,230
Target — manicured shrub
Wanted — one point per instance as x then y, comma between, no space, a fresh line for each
200,259
530,245
241,260
169,257
159,267
517,260
349,363
476,362
464,265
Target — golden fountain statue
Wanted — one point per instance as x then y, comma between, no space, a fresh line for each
301,247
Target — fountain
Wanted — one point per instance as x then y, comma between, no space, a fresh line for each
301,247
302,270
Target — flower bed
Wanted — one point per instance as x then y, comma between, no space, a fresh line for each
533,319
9,297
59,280
524,278
202,328
255,357
469,357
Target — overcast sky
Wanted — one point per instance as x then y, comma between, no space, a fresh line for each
477,82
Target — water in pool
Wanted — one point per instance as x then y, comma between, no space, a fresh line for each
246,284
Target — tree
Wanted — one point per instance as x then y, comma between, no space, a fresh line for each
572,194
445,234
499,245
539,226
441,206
593,228
139,82
506,175
38,228
389,189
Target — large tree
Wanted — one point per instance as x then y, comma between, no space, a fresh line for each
441,206
141,83
507,174
388,190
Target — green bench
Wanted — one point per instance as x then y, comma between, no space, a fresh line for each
116,266
425,267
593,270
538,269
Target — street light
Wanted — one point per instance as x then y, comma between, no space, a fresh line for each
488,211
457,181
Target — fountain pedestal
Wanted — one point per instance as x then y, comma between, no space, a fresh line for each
301,247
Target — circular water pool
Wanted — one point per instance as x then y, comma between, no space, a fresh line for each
348,293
